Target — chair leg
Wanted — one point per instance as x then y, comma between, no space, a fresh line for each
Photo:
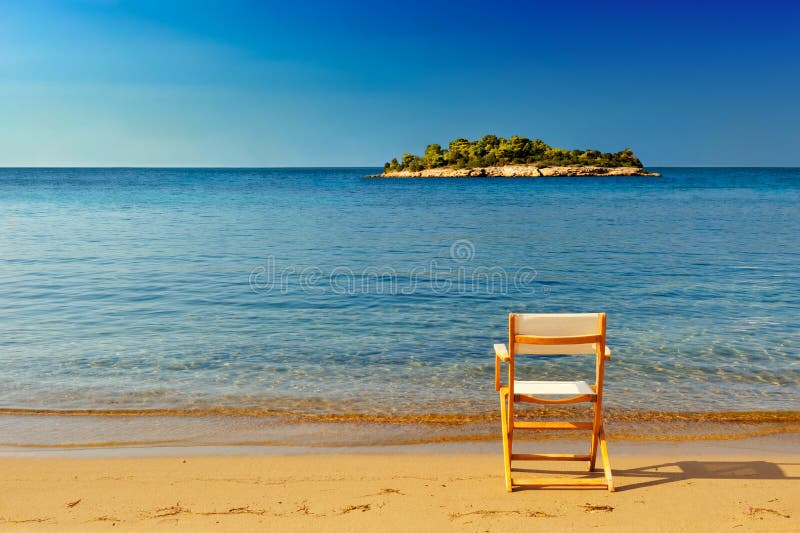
606,462
593,452
506,429
598,424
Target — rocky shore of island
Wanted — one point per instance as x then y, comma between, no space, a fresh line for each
516,171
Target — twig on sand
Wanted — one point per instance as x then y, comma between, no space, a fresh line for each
759,512
172,510
363,508
589,508
238,510
488,512
25,521
383,492
106,518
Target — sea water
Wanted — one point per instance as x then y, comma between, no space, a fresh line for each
322,292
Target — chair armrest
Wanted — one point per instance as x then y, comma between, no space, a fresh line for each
607,355
501,352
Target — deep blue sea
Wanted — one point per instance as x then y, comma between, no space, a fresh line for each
318,290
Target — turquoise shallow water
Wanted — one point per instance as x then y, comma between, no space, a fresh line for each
320,291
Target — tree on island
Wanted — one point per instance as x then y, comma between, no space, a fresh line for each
491,151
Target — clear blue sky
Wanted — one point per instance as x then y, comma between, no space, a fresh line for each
307,83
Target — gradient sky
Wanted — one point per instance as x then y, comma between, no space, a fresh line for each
293,83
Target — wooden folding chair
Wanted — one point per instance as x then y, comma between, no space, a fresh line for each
551,334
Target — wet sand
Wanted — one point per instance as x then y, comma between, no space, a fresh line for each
29,428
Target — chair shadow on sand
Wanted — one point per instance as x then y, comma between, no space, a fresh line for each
648,476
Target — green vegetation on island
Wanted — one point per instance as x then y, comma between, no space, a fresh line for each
493,151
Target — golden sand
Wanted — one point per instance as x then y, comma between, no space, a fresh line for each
685,488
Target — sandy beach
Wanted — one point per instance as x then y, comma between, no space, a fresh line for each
753,484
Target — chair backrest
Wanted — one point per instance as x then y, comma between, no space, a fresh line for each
544,334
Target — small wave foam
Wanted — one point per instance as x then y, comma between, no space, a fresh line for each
611,415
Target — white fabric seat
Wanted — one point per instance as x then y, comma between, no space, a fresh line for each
552,388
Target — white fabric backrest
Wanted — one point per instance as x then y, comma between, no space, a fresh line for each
555,325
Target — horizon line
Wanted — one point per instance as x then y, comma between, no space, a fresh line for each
226,167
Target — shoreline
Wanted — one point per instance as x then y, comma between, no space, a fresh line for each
517,171
781,443
695,486
611,413
48,430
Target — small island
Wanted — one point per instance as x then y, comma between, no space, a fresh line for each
493,156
